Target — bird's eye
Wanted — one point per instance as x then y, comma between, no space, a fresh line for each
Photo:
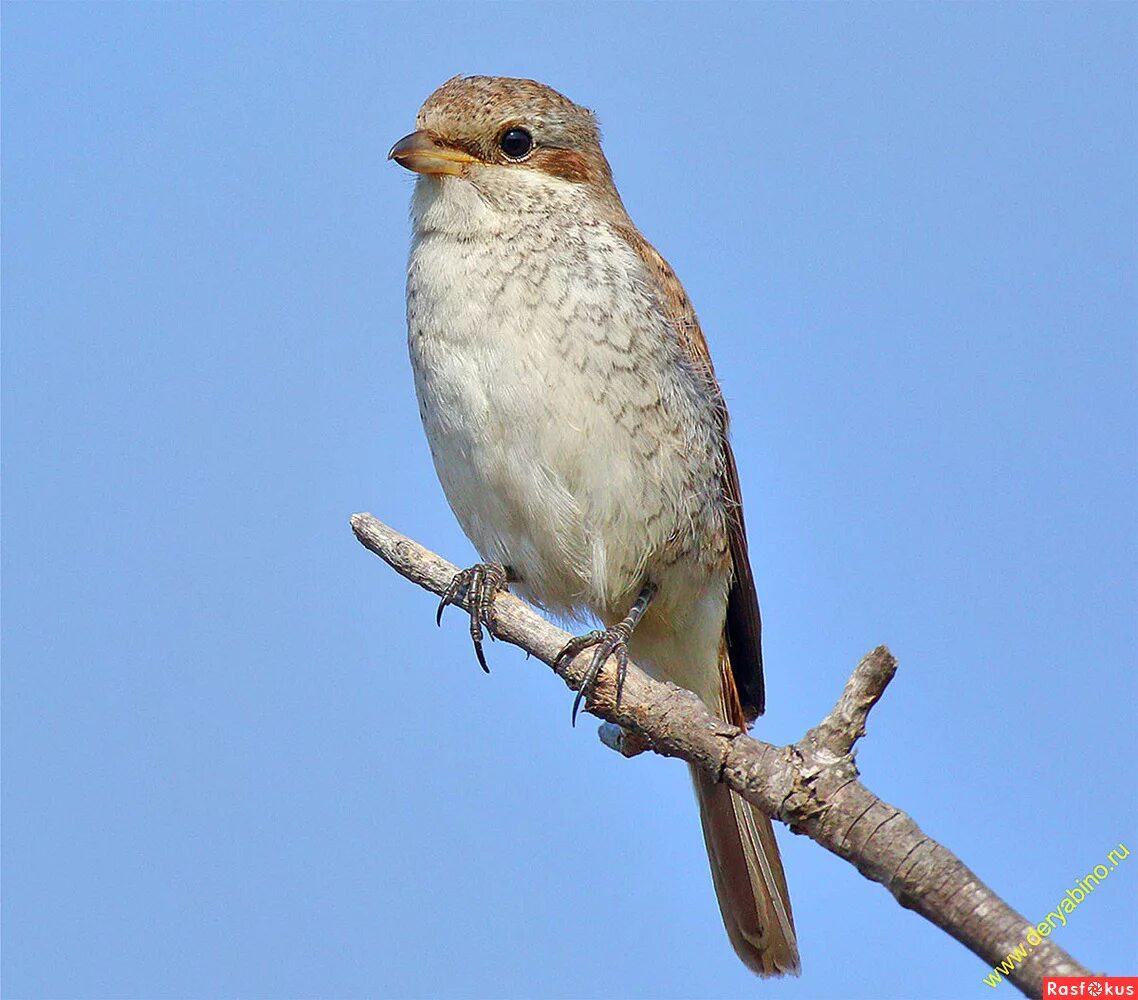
516,142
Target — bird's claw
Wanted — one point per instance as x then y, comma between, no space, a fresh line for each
480,584
610,642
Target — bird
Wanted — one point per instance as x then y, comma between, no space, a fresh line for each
580,434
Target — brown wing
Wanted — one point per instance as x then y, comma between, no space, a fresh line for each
744,626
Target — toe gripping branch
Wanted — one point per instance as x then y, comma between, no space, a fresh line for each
480,583
611,641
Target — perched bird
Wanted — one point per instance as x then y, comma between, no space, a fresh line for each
580,434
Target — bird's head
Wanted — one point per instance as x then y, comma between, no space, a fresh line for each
518,142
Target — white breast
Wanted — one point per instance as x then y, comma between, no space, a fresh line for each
568,432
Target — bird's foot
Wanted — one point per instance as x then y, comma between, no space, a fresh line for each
479,584
611,641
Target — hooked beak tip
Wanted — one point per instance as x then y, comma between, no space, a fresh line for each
425,153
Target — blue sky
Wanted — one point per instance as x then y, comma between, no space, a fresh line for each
240,760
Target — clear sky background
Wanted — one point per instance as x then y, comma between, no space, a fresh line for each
239,758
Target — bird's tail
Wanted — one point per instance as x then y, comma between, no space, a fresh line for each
749,881
745,863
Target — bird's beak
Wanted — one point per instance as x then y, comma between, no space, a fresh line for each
426,153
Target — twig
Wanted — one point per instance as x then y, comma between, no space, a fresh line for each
811,785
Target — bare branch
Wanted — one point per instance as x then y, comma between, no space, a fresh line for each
811,785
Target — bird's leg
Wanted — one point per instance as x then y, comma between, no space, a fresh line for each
611,641
480,584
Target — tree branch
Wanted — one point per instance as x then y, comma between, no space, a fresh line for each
811,785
